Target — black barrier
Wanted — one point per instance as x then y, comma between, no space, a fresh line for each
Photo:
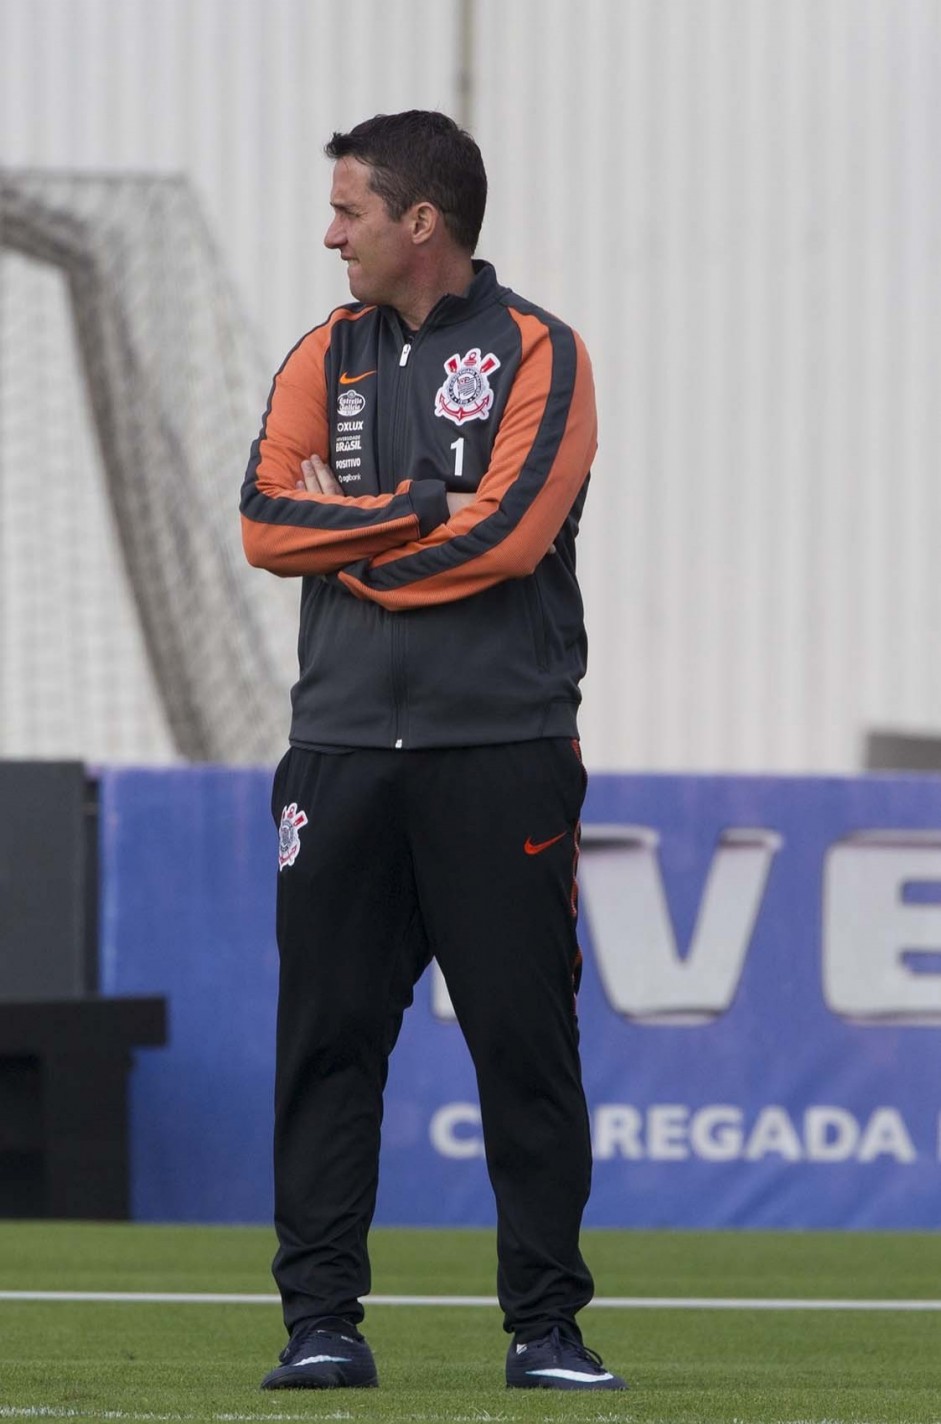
65,1053
47,948
63,1104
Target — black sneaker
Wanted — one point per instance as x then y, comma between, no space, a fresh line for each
323,1357
557,1361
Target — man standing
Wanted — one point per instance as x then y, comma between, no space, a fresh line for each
422,466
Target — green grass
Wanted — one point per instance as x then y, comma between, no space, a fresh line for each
203,1363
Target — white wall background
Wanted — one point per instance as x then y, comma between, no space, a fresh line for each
736,201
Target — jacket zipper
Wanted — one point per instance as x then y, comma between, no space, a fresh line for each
397,653
398,423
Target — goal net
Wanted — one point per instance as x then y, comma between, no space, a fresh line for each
131,628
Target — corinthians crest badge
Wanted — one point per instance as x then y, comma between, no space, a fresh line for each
466,393
289,840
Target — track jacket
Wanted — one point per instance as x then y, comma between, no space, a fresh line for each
416,629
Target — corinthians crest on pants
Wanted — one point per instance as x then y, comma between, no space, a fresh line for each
466,393
289,840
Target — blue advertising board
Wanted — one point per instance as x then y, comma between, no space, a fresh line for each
760,1009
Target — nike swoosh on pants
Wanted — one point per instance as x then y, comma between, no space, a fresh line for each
534,848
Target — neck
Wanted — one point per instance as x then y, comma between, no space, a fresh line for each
451,278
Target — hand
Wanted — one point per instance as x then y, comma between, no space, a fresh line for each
318,478
457,500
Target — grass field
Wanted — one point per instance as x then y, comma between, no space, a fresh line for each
159,1362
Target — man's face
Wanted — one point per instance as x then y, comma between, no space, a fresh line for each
377,248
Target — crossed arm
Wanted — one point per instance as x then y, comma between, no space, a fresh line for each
423,544
318,478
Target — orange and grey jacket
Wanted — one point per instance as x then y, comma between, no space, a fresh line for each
420,630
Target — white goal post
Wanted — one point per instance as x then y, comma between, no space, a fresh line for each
131,627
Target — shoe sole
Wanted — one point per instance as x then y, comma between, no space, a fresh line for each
606,1385
300,1380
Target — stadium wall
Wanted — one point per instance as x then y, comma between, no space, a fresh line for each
738,205
760,1011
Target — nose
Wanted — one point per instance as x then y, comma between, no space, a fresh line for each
334,236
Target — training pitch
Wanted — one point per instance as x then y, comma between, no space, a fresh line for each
709,1328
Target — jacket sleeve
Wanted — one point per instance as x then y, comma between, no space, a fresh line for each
290,531
539,463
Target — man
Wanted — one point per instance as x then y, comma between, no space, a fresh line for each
422,465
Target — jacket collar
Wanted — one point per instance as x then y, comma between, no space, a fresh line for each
451,309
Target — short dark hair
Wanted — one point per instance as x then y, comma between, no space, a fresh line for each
421,156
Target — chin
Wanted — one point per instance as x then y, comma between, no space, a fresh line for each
358,288
362,290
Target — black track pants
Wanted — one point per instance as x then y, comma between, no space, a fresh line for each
469,855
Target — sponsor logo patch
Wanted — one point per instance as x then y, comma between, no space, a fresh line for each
350,403
289,839
465,393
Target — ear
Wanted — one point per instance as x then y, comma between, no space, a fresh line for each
425,220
